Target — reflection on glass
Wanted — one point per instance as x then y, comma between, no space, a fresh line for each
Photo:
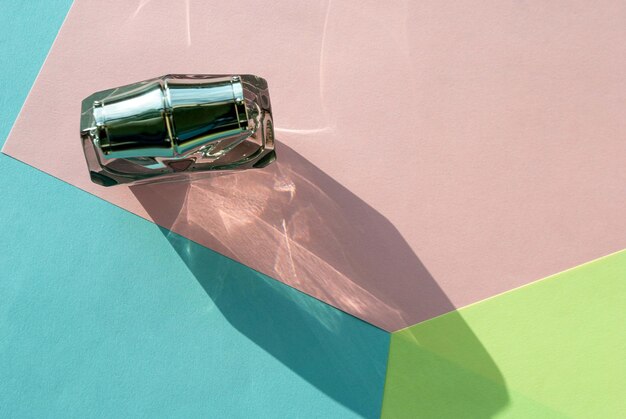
177,125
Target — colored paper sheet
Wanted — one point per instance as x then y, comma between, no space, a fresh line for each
551,349
138,330
432,154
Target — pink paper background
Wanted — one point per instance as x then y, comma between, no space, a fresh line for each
432,154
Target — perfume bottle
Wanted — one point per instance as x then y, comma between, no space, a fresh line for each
177,126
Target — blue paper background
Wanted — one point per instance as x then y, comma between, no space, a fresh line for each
105,314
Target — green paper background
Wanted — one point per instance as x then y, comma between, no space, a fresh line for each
553,349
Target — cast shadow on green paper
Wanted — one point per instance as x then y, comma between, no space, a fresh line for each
337,353
438,369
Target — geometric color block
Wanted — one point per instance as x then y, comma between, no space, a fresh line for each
552,349
341,355
205,338
101,317
161,326
427,152
103,314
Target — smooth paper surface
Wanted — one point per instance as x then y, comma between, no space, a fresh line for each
432,154
154,325
552,349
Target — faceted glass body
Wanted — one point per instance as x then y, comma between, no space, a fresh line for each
176,126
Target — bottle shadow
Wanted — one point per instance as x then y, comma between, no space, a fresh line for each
338,354
293,222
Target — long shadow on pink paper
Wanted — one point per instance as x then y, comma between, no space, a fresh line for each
321,229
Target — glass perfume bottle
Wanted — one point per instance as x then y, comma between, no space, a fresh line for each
177,126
